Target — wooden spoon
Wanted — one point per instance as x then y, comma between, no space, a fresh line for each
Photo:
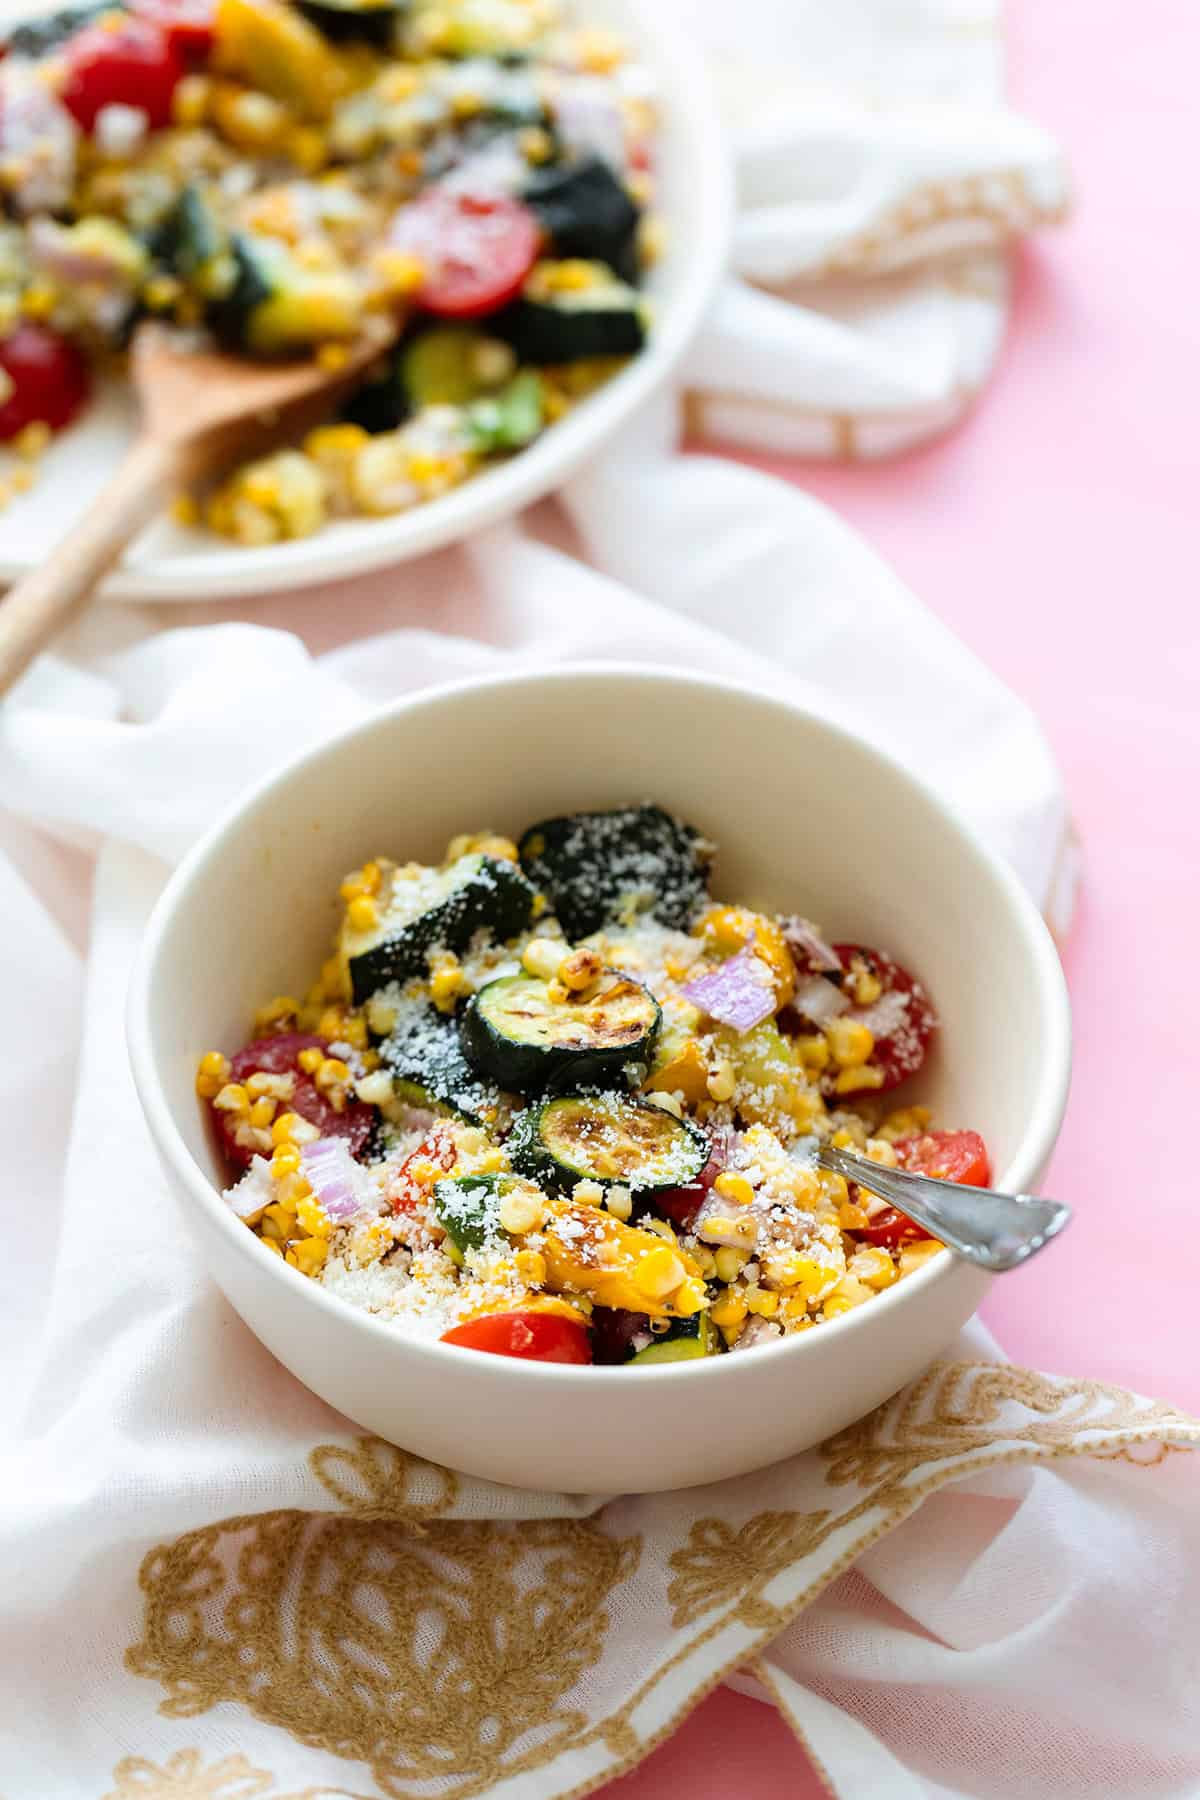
200,411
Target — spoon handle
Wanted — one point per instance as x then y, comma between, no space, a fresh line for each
46,600
995,1231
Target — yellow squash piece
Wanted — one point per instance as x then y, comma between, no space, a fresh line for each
728,929
619,1265
275,49
679,1063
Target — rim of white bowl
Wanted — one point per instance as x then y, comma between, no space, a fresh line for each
1035,1145
533,473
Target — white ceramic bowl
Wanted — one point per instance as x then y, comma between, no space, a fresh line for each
807,819
170,562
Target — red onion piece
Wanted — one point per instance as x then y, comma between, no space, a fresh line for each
818,1000
811,953
740,993
334,1176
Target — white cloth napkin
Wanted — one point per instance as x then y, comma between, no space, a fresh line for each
215,1589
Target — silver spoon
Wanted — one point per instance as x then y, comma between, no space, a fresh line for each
996,1231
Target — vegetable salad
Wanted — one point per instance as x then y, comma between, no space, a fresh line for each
552,1100
269,172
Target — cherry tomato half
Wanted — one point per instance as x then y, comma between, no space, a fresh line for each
134,64
902,1020
49,376
476,249
534,1336
950,1155
279,1055
188,25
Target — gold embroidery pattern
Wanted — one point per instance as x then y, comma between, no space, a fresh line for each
1002,204
720,1565
427,1648
182,1777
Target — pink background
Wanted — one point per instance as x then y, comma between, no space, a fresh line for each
1054,530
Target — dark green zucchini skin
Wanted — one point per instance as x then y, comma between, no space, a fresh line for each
466,1207
497,898
424,1057
685,1340
589,864
188,237
36,37
585,211
229,318
532,1067
530,1152
545,331
381,404
344,22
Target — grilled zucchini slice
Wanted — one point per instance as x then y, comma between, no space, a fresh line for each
445,907
683,1341
355,21
607,1138
553,324
423,1055
586,211
468,1207
517,1032
603,868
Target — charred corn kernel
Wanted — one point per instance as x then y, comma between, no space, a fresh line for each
363,913
312,1218
859,1080
399,274
531,1267
311,1059
291,1128
333,1072
285,1160
793,1308
849,1293
741,1233
278,1221
792,1269
246,118
330,1023
306,147
619,1202
588,1193
291,1189
867,986
909,1121
730,1309
666,1102
658,1273
915,1256
851,1216
380,1017
850,1042
232,1098
874,1266
189,102
578,970
880,1151
835,1188
214,1072
281,1007
541,957
39,300
842,1139
812,1051
279,1087
446,980
309,1255
722,1083
705,1261
32,440
735,1188
520,1212
263,1111
376,1089
729,1262
689,1298
762,1301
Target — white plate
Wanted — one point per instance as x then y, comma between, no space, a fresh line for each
170,563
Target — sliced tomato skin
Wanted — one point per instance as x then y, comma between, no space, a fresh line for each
187,25
278,1056
133,65
50,380
476,250
951,1156
531,1336
899,1053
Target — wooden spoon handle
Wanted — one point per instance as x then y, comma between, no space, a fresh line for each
44,602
